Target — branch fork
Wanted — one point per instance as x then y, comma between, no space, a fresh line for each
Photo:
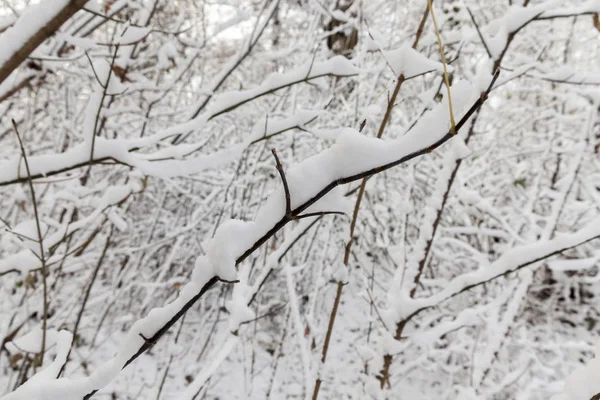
289,213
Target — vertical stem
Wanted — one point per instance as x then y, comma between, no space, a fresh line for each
41,244
446,79
363,184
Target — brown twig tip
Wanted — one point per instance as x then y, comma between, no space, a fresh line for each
286,189
226,281
484,94
319,214
487,49
148,341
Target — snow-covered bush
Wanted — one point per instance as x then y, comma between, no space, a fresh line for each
299,199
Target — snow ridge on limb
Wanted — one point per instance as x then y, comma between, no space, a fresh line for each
312,185
124,150
512,260
34,26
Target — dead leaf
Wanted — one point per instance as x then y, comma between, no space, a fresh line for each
14,360
107,5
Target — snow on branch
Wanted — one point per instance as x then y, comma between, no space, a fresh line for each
585,8
513,260
34,26
312,186
122,150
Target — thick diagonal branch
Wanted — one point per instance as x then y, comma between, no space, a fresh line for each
14,58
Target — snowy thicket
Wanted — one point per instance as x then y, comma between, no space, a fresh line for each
337,199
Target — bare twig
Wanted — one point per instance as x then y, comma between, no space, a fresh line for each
487,50
286,189
42,257
363,184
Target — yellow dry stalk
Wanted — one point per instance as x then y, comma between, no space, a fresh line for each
387,88
446,79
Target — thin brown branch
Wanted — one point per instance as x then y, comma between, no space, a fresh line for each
363,184
297,211
286,189
384,376
487,49
86,296
42,257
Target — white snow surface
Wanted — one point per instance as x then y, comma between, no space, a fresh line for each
29,22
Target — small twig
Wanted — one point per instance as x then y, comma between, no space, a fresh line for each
41,244
226,281
109,18
149,341
288,199
379,49
100,106
376,309
86,297
94,70
480,34
319,214
312,62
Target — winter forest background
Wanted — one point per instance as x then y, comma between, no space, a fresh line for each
299,199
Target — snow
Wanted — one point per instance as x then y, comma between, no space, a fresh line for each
461,150
163,209
180,166
120,149
27,260
76,388
468,317
338,66
117,220
35,387
133,34
14,80
583,383
508,262
340,273
409,62
484,76
298,327
26,234
497,40
82,43
239,312
91,113
568,75
589,7
573,265
31,20
224,350
375,41
32,341
167,52
351,154
104,78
